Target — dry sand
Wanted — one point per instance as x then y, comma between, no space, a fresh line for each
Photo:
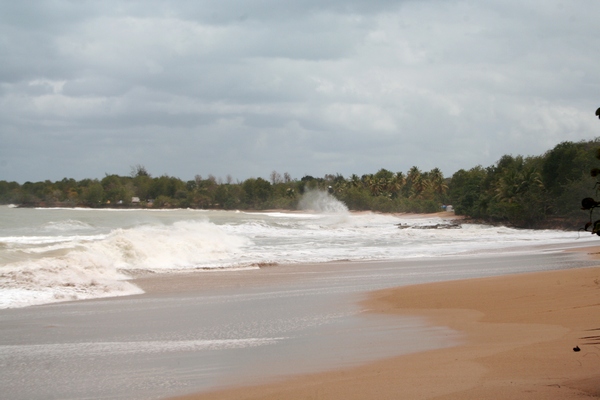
520,332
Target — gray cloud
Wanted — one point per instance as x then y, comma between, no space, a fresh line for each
310,87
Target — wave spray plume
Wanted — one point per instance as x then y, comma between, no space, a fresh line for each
322,202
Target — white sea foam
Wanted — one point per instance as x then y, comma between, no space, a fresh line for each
66,226
322,202
97,266
56,255
183,245
38,240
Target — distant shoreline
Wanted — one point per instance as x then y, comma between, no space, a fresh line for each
441,214
556,224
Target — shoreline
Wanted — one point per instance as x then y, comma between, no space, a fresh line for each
520,332
556,224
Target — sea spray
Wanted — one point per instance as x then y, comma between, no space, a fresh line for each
56,269
181,245
50,255
321,202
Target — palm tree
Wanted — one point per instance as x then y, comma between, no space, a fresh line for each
374,184
513,184
436,182
400,179
354,181
415,183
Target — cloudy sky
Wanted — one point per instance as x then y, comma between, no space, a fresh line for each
308,87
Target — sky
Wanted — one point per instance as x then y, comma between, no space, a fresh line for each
309,87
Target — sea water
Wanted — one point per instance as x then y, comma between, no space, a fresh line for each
299,314
51,255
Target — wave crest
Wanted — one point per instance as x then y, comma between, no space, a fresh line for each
97,268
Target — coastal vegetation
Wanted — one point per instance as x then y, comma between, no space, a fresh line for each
533,191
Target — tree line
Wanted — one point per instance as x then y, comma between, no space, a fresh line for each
532,191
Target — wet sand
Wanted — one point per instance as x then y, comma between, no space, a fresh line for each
521,331
213,331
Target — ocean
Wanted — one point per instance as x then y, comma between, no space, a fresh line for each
52,255
270,294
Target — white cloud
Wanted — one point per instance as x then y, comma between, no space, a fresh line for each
305,87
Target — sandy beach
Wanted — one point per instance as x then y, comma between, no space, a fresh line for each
520,335
466,327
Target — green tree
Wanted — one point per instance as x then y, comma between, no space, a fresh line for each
467,192
564,177
93,194
115,191
518,192
415,183
436,184
256,192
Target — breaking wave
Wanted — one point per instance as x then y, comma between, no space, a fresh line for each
57,255
75,268
321,202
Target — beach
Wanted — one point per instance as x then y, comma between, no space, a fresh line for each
521,333
109,304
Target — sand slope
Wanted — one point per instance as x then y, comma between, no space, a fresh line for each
521,331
